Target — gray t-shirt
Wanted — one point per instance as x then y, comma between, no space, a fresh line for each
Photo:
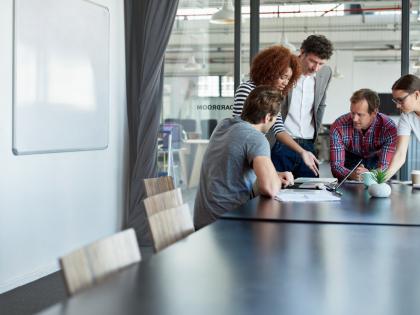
227,176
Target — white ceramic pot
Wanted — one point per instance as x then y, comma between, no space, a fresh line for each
379,190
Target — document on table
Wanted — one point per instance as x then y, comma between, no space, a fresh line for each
323,180
305,195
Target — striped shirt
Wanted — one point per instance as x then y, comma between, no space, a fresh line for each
240,96
378,140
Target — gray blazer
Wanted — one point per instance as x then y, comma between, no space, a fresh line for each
322,80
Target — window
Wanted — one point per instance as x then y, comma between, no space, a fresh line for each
198,88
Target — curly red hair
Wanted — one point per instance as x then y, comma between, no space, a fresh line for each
271,63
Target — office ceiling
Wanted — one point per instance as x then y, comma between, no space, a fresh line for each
219,3
371,30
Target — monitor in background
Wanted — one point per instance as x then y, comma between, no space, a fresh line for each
387,106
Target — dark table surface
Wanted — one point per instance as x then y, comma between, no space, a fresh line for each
355,206
256,267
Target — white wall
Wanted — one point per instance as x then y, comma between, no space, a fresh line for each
378,76
339,90
53,203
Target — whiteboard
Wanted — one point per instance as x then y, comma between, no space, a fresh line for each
60,76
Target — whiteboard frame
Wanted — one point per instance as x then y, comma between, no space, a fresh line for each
18,145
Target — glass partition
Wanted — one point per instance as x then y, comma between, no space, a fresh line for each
198,83
413,154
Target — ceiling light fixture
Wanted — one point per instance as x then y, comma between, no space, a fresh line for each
337,73
418,13
417,65
415,46
226,15
285,42
192,64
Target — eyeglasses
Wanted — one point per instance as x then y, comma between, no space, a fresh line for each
399,101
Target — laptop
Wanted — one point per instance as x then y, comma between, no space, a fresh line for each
333,187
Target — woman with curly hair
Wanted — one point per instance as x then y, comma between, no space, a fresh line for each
278,67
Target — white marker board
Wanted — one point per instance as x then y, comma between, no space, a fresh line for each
61,76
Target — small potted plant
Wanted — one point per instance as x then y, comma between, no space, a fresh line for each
380,188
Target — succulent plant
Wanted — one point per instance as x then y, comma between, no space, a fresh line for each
379,176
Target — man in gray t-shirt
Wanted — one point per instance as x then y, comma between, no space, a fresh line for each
237,156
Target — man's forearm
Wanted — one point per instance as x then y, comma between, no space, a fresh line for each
338,170
286,139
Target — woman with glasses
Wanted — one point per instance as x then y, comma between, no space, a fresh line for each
406,95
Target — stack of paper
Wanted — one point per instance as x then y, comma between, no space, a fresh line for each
303,195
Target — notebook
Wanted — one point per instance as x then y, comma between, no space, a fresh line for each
313,182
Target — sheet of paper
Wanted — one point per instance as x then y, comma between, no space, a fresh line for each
324,180
302,195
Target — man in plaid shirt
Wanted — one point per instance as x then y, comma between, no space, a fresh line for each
365,134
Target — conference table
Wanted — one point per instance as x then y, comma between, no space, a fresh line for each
359,255
260,267
355,207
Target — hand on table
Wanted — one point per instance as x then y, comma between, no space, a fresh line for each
286,179
358,172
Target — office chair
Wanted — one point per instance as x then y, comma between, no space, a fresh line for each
169,219
158,185
85,266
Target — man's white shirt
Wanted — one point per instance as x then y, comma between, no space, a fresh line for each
299,121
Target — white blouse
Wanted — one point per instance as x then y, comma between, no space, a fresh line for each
409,122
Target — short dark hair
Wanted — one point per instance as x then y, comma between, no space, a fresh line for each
409,83
371,97
318,45
263,100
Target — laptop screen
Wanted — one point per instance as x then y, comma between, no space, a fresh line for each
347,176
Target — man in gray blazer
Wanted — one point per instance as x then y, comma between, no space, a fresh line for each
304,107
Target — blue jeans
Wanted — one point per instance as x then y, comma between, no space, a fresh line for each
287,160
352,159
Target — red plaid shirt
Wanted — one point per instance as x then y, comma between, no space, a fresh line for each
379,139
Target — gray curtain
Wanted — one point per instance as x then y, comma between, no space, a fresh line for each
148,25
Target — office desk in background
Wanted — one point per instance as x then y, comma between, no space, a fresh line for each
201,146
355,206
258,267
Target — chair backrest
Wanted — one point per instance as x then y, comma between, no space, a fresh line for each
169,219
166,200
158,185
188,124
85,266
176,132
